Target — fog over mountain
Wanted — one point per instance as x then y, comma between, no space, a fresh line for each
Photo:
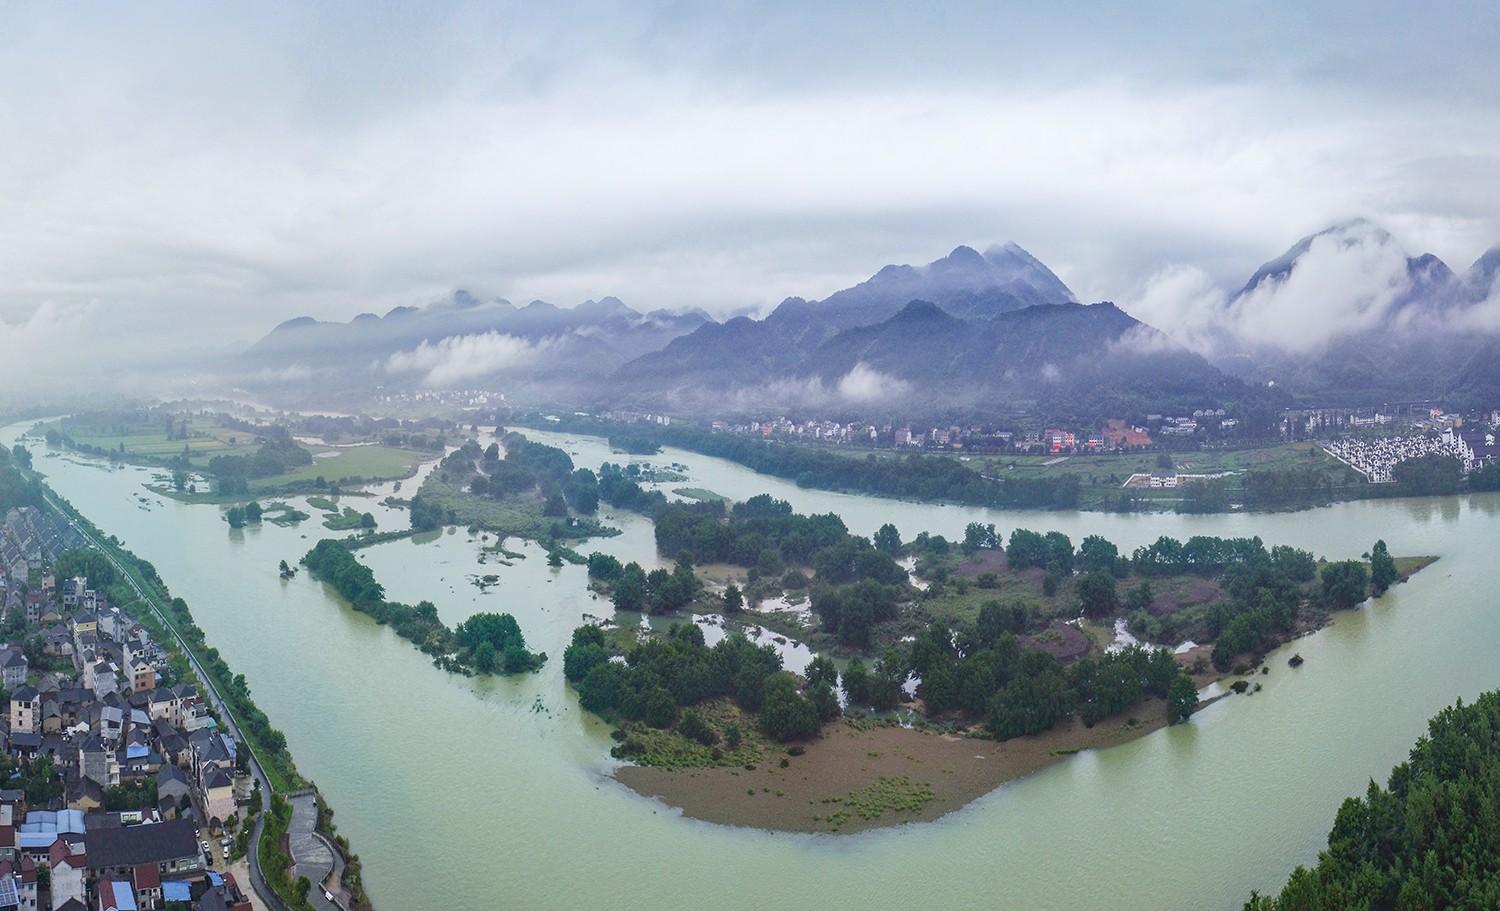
1344,316
190,178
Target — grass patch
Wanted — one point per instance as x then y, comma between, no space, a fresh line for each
350,465
350,519
283,514
701,494
898,794
519,515
668,749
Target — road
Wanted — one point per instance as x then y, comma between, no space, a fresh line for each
257,879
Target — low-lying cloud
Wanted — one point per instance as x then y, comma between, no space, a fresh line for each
1346,282
866,385
862,385
459,358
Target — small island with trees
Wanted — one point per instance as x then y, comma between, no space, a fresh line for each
995,658
485,643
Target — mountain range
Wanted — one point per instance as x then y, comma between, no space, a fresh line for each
1344,316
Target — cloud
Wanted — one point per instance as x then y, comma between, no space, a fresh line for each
62,351
862,385
460,358
866,385
1185,304
311,166
1347,282
1483,316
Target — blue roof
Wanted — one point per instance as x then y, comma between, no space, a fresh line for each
137,751
54,821
124,895
175,890
35,839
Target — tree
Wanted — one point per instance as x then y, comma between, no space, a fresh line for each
661,708
630,589
785,713
252,512
693,727
1182,699
980,537
734,602
367,520
1097,596
1096,554
888,539
856,682
1344,583
1383,572
236,517
484,658
1140,596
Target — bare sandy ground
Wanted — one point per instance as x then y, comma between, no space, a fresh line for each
846,759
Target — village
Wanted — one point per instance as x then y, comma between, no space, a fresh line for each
120,789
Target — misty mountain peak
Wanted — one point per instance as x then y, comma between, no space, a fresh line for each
920,310
296,322
962,257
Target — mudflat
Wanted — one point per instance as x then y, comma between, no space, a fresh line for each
857,776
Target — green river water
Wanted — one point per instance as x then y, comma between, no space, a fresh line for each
494,793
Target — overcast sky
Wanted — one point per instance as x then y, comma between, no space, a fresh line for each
203,173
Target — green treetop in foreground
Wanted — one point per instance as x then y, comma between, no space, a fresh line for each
1429,839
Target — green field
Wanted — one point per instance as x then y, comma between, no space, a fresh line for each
519,515
350,464
148,442
1117,467
1101,477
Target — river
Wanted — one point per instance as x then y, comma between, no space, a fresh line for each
488,793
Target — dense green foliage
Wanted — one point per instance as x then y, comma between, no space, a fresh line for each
1383,572
1345,583
1429,839
634,589
533,471
278,454
665,674
1428,475
856,584
16,488
980,671
1283,488
487,643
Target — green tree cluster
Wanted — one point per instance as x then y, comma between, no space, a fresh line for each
1429,839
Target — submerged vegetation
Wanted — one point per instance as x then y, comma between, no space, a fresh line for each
532,492
486,643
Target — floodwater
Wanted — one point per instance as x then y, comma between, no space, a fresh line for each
475,793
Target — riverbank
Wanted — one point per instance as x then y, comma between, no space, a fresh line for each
1272,478
170,623
857,776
